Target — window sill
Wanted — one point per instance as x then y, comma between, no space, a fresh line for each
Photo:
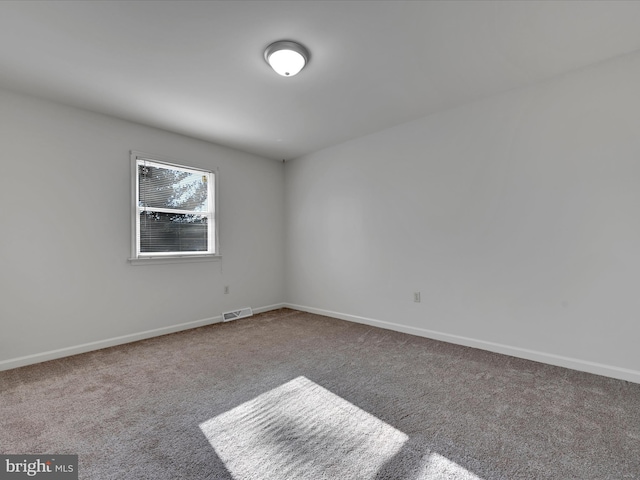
174,259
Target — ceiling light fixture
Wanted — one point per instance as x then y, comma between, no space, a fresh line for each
287,58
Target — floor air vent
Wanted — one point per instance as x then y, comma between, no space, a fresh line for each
235,314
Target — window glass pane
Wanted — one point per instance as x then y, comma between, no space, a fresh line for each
169,188
169,232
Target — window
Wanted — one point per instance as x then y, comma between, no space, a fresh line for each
174,210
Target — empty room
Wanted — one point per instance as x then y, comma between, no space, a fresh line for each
346,240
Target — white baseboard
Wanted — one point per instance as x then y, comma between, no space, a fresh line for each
268,308
111,342
548,358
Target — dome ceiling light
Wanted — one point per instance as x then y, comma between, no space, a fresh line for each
287,58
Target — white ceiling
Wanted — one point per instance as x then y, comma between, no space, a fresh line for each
197,67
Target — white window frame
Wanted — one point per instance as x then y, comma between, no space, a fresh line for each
213,247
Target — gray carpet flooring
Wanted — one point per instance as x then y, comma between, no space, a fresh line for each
291,395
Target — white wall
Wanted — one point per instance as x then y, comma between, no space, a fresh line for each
517,218
65,234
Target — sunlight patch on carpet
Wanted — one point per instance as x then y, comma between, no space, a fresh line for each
301,430
437,467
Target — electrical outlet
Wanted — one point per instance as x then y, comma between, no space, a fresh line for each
416,297
226,289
